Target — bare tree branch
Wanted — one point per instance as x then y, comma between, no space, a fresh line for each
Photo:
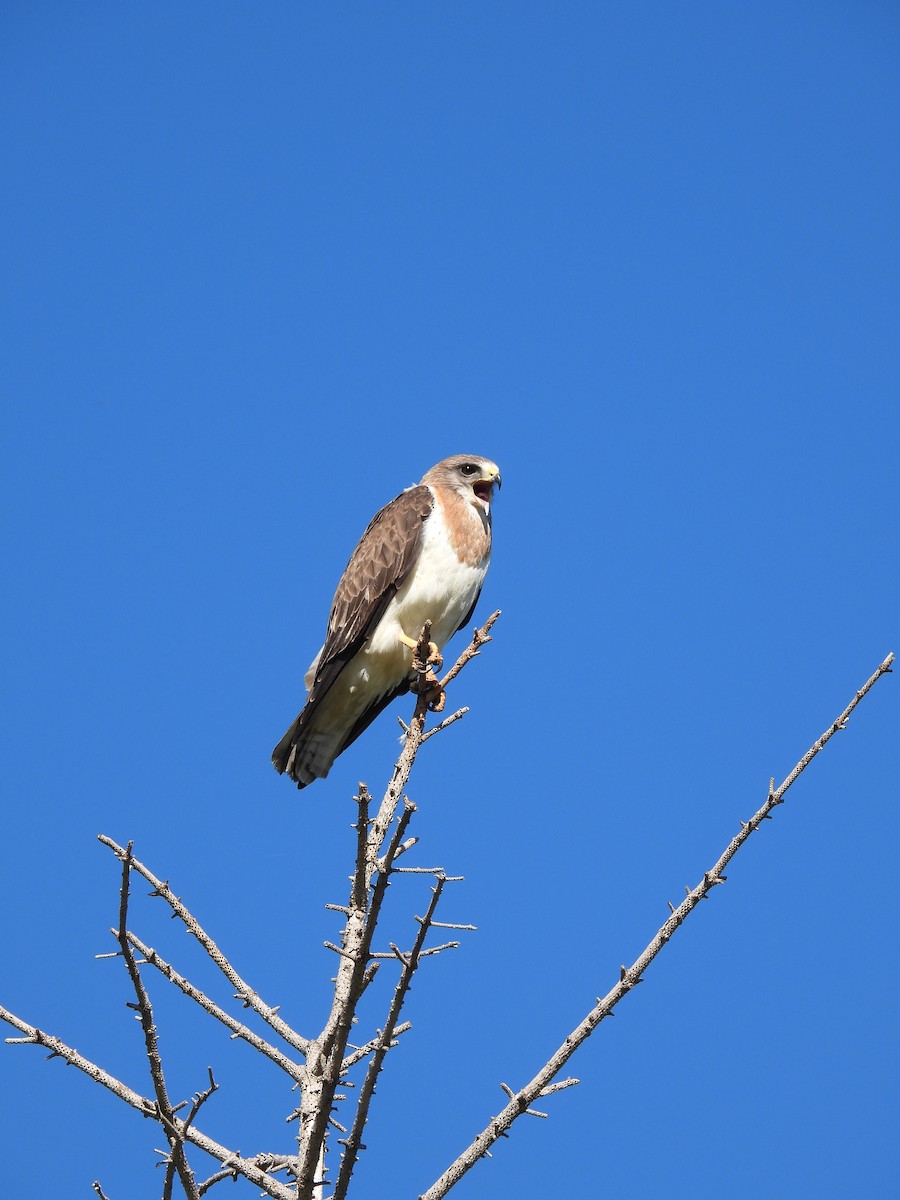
322,1076
266,1162
199,1100
380,842
147,1107
324,1064
325,1054
362,1052
631,976
238,1030
460,712
245,993
165,1113
353,1143
480,637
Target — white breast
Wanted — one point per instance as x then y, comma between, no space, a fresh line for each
439,589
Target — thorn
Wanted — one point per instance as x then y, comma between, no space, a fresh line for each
623,972
671,906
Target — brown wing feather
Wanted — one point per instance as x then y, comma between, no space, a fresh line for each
377,568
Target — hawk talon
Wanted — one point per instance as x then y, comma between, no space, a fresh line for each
435,658
429,687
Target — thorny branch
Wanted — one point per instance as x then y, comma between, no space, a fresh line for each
238,1029
327,1058
245,993
630,977
380,842
165,1113
353,1143
250,1168
355,969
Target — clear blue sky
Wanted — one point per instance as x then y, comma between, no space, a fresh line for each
263,265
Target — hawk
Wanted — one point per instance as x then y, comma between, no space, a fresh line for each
423,558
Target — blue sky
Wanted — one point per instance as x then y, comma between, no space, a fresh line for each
263,266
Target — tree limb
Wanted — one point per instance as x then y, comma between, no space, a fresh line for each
353,1143
326,1053
147,1107
631,976
238,1030
245,993
165,1113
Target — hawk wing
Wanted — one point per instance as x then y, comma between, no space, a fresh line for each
379,565
377,568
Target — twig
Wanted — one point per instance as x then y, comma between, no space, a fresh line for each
361,1052
238,1030
266,1162
198,1102
460,712
631,976
165,1114
245,993
479,638
146,1106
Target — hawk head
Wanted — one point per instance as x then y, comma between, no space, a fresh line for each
470,476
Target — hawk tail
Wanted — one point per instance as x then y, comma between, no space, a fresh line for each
284,751
306,753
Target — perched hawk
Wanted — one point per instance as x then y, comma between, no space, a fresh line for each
423,558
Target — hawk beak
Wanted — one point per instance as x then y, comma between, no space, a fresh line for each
484,488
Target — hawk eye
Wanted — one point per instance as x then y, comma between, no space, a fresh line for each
468,469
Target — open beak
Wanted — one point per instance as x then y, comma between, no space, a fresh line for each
484,488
